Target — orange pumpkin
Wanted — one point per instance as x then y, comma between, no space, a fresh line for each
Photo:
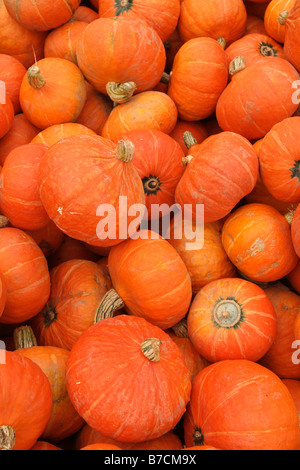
147,110
199,76
211,19
19,196
62,42
241,405
41,16
231,319
101,170
228,165
12,72
121,49
26,274
77,288
48,238
21,133
257,240
251,116
95,111
254,25
292,36
120,344
85,14
207,262
52,92
53,134
197,129
279,358
150,294
274,18
160,15
64,420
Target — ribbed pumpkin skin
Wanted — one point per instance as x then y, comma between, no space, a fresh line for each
95,111
62,97
292,36
116,344
240,405
253,47
231,319
41,15
272,77
7,114
204,264
158,161
228,165
21,133
53,134
160,15
152,280
77,288
62,42
199,76
257,239
19,196
17,41
201,18
26,273
87,165
147,110
3,293
64,420
121,49
272,25
12,72
279,158
279,358
26,399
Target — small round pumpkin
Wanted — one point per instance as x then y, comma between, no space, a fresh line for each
241,405
250,115
196,128
257,239
62,42
26,402
228,165
12,72
121,344
275,16
199,76
52,92
19,196
231,319
292,36
40,16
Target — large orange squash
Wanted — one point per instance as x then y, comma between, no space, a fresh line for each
199,76
232,319
26,274
77,288
26,402
121,49
150,278
217,20
257,239
121,345
19,196
160,15
241,405
41,15
222,171
52,92
250,115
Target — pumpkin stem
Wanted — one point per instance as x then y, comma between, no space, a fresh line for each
110,303
181,330
7,437
222,42
24,337
189,139
151,349
283,17
125,151
120,92
237,65
289,216
165,78
186,160
3,221
35,78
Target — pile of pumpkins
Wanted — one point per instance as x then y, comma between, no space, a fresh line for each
139,340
